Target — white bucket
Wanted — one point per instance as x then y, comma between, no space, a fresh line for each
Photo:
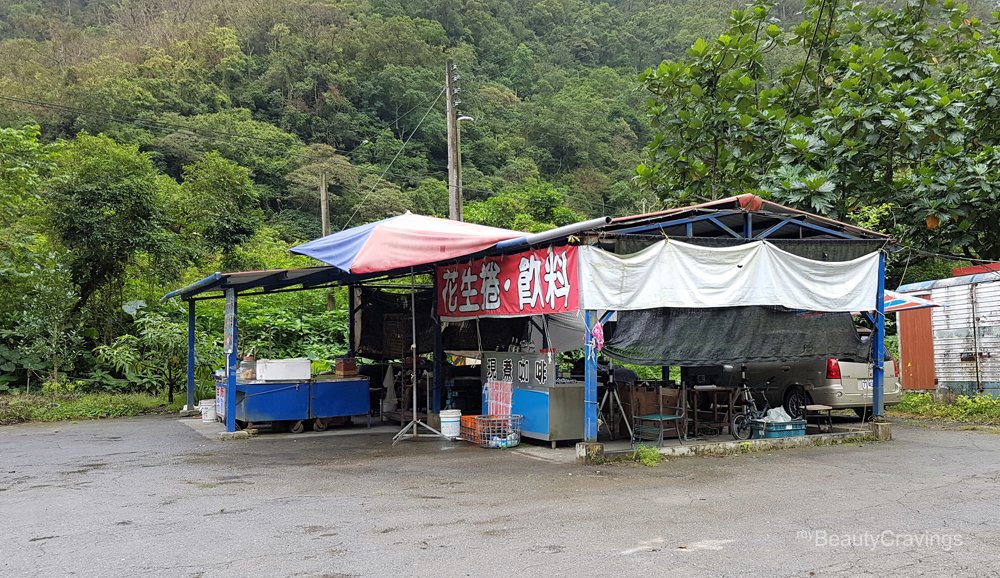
207,407
208,414
451,423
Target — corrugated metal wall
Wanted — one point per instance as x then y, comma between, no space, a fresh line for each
916,348
957,348
988,312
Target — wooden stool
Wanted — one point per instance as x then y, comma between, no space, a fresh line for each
818,409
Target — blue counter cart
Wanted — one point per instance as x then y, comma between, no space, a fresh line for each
295,402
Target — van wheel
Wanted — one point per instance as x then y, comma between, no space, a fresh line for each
796,401
864,413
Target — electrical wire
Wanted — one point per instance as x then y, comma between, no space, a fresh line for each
955,257
389,166
909,255
802,73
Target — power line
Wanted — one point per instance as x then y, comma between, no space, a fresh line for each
379,180
802,73
948,256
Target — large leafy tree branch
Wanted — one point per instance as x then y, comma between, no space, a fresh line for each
885,107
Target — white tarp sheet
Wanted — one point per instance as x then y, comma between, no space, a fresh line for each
675,274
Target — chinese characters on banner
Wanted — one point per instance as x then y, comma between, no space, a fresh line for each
503,372
534,282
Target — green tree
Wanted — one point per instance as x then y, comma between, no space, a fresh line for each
532,209
218,202
892,106
155,355
23,160
103,201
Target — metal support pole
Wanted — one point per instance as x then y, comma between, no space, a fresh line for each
590,380
438,351
412,429
190,357
350,320
878,345
232,361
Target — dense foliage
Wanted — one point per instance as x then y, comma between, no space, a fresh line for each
146,143
890,108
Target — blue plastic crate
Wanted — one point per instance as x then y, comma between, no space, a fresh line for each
770,429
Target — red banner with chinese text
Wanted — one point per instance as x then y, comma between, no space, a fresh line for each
535,282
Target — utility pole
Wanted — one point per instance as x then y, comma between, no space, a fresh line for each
324,217
454,149
324,205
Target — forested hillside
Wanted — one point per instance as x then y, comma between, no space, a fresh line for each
145,143
287,89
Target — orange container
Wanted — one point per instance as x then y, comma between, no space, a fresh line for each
470,430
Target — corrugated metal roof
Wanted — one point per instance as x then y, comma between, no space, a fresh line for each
746,203
924,286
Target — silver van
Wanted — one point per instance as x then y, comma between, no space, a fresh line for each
838,383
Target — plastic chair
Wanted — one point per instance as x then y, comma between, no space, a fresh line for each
652,426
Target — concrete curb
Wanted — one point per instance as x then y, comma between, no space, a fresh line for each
876,432
237,435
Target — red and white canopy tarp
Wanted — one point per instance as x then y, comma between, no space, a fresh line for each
402,242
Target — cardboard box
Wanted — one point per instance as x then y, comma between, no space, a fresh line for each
645,402
346,367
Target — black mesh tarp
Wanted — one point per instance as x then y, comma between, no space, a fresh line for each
731,335
495,333
385,326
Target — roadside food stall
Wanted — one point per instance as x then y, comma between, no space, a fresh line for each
402,246
661,289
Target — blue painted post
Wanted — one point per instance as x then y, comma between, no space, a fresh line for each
590,380
748,226
190,357
878,345
232,361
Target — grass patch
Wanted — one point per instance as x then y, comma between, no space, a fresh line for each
24,408
647,455
980,409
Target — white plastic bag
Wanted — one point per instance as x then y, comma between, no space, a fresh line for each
777,415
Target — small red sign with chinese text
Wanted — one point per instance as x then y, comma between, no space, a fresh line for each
535,282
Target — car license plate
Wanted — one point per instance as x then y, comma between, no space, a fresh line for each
864,384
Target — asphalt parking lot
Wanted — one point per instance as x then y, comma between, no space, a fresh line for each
153,496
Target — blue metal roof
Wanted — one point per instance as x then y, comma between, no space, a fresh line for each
267,280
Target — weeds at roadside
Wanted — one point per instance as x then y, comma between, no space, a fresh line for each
980,409
25,408
647,455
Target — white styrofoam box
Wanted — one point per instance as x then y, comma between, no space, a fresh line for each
283,369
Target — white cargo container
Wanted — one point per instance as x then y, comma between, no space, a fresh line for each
964,334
